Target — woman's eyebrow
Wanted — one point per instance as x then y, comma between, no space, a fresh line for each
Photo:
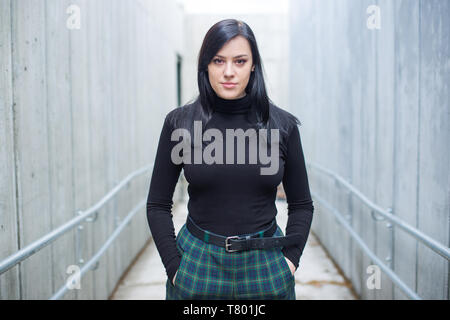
241,55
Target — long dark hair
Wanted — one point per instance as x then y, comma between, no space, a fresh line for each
263,113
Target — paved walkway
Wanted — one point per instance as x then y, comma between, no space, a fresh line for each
316,277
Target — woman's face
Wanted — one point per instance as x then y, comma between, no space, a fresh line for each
232,64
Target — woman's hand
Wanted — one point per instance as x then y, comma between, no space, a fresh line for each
291,265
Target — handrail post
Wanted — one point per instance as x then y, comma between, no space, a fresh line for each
79,242
390,257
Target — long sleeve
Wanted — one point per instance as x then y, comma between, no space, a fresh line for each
159,202
298,197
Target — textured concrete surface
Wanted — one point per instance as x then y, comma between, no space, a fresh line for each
316,277
374,108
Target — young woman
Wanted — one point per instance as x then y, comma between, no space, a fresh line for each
230,246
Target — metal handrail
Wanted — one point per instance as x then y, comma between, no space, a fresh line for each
90,264
419,235
388,271
47,239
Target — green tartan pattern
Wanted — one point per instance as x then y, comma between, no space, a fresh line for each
209,272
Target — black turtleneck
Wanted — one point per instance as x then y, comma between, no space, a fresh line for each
232,106
228,199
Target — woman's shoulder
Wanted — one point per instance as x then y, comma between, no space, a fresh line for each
180,113
283,119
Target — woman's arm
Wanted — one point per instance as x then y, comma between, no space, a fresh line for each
298,197
159,202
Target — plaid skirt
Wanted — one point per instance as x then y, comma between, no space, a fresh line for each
209,272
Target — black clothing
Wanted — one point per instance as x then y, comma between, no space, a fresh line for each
228,199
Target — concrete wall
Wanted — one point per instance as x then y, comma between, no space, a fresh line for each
79,110
272,35
375,109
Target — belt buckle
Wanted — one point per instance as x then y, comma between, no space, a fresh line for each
229,244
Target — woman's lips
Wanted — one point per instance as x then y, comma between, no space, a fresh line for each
228,85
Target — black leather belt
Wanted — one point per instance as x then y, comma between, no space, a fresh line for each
260,240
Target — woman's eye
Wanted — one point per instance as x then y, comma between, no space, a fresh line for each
240,61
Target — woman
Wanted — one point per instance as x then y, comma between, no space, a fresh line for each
230,246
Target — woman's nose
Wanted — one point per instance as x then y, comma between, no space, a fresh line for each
229,69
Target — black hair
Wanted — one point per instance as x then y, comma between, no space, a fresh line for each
263,113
